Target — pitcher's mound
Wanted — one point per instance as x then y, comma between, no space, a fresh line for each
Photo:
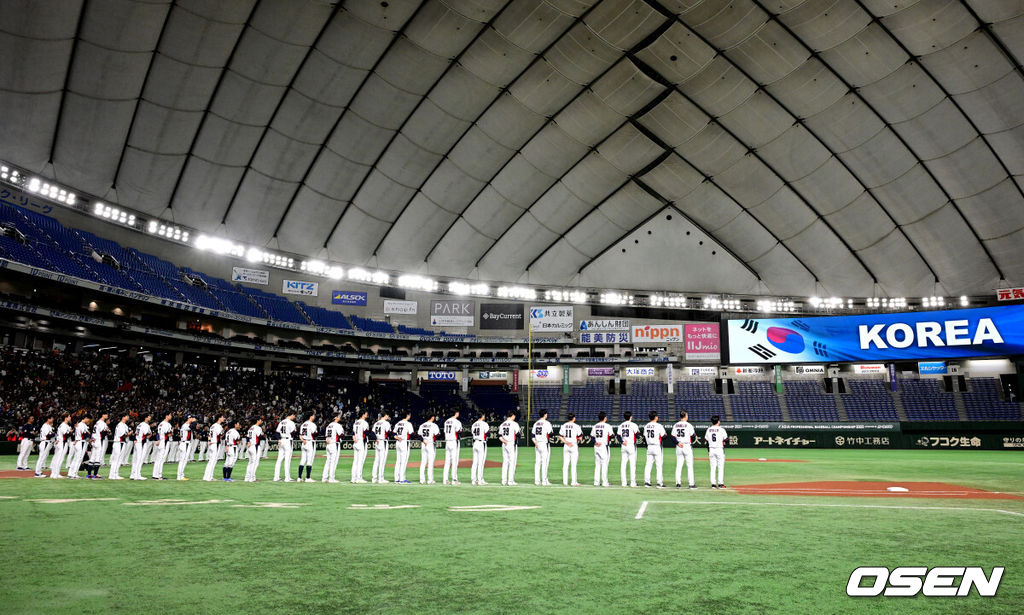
875,489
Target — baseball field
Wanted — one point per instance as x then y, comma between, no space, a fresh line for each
195,547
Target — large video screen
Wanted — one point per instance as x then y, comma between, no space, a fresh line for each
942,334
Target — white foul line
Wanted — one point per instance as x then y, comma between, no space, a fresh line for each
643,506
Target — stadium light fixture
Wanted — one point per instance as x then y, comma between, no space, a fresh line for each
254,255
42,188
113,214
669,301
167,231
964,301
611,297
465,288
219,246
417,282
278,260
565,296
775,305
516,292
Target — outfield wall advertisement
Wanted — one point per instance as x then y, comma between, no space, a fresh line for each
978,332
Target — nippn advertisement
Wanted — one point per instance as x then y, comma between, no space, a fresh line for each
663,333
941,334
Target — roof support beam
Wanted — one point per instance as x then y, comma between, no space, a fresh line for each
67,80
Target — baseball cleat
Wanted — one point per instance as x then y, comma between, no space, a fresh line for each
693,486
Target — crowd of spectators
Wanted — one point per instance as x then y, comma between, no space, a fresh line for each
56,383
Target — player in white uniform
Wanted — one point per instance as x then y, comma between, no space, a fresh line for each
99,443
46,433
428,452
479,431
359,429
285,429
81,443
163,447
452,431
122,446
26,437
628,431
254,437
541,435
602,433
508,433
716,438
685,435
231,444
569,435
381,430
403,430
215,434
307,444
654,433
333,434
142,433
184,443
60,443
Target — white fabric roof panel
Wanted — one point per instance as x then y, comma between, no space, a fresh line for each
506,132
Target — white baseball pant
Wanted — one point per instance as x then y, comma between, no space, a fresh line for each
402,459
717,458
284,456
44,451
684,456
570,457
655,458
60,451
380,461
254,462
138,460
182,459
159,458
77,455
202,451
331,467
602,456
427,455
230,456
541,460
307,453
476,472
115,459
451,460
211,462
629,459
24,450
358,460
509,458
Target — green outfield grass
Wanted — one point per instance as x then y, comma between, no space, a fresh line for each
580,551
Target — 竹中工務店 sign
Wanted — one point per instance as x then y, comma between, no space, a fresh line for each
551,318
977,332
452,313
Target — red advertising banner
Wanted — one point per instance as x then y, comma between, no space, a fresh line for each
702,341
1010,294
515,381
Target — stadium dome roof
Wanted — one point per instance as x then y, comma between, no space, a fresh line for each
852,148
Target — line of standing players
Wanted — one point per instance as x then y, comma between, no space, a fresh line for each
224,441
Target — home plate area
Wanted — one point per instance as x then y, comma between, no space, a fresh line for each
854,488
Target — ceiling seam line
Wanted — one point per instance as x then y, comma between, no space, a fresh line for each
67,80
395,36
504,91
209,103
138,99
277,109
966,117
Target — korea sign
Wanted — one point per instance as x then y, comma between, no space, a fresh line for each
347,297
501,315
551,318
665,333
392,306
452,313
250,276
607,324
299,287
